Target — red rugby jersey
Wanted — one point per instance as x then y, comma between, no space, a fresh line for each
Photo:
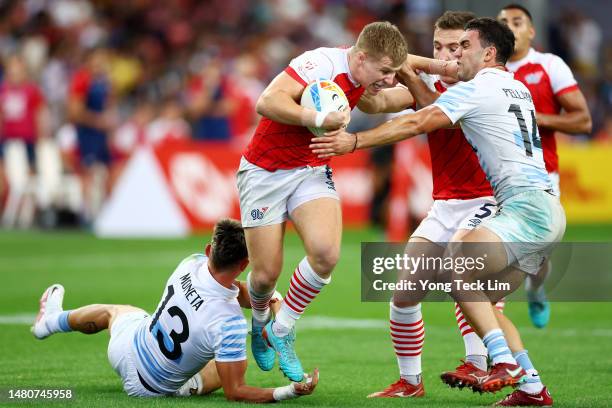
455,168
19,105
279,146
546,76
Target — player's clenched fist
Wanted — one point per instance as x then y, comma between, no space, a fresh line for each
336,120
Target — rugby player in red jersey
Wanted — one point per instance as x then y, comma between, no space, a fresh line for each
280,178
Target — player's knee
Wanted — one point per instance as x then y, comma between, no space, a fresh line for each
324,259
264,279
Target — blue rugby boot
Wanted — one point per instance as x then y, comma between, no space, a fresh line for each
283,346
263,354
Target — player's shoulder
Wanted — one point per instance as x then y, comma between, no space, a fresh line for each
324,57
331,52
194,259
189,264
547,60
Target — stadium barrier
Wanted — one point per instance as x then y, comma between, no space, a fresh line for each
586,189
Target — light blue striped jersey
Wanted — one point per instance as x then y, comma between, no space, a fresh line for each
196,320
497,116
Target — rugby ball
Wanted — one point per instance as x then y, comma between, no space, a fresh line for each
323,95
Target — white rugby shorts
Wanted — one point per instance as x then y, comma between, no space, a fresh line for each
269,197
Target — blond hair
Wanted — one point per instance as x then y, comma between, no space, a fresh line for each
383,39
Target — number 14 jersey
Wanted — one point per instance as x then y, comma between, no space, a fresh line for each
497,116
196,320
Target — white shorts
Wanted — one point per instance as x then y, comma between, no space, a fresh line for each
268,197
447,216
120,353
554,178
529,224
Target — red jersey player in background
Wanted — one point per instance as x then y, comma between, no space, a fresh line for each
280,178
22,110
560,106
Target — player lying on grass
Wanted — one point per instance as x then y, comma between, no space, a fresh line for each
497,116
195,342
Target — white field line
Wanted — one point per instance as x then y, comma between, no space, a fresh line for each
341,323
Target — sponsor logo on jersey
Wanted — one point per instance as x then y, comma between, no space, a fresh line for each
534,77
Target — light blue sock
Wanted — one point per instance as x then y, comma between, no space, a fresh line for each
498,349
522,358
62,322
531,384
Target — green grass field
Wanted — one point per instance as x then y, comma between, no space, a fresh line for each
573,354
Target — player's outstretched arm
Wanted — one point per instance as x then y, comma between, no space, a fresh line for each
386,101
575,117
402,127
433,66
419,89
235,388
279,103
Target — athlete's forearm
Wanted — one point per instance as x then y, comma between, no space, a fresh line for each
420,91
433,66
400,128
244,299
386,101
280,107
567,122
246,393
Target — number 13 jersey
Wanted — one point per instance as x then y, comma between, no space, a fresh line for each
196,320
497,116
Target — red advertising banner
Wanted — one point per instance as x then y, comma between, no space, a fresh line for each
202,179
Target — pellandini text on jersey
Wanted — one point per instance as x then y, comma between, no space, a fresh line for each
517,94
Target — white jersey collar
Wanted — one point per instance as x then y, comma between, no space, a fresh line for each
213,287
514,65
493,70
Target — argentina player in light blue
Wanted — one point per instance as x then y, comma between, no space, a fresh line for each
497,116
195,342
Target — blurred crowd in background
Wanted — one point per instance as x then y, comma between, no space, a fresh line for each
100,78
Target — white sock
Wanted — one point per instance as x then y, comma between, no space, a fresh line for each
407,335
58,322
194,383
305,285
